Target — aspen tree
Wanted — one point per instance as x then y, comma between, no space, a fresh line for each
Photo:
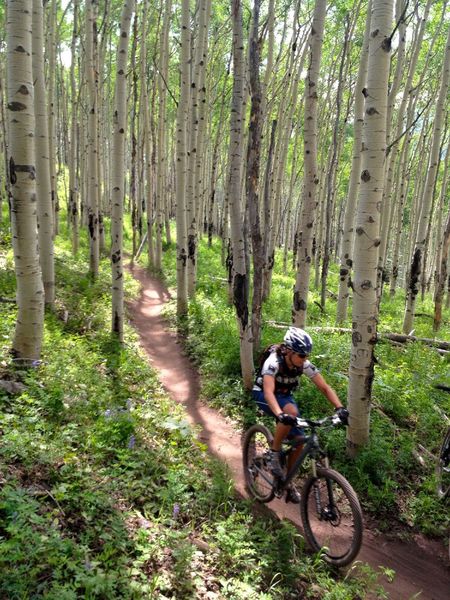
182,115
214,163
133,135
43,183
194,168
161,151
420,239
252,176
22,178
149,176
51,112
73,178
346,256
365,307
311,175
330,188
240,277
201,163
92,163
118,169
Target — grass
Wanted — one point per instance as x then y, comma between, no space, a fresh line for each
105,490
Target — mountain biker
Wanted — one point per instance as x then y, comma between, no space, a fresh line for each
275,382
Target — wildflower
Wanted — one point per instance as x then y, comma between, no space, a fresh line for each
88,565
131,442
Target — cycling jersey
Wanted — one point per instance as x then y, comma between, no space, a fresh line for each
286,380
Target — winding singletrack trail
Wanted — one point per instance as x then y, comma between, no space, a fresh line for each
421,567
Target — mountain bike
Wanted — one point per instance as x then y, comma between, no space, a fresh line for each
329,507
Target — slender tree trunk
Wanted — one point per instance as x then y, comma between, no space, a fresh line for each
331,174
419,248
22,177
133,140
118,170
73,179
252,177
161,172
237,215
311,175
365,313
43,183
182,115
51,113
92,166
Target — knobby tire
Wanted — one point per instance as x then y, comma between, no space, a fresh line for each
337,533
258,476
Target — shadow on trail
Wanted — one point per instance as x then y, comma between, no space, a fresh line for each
163,348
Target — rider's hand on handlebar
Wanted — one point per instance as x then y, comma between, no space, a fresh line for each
286,419
343,414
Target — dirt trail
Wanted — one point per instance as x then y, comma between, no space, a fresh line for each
421,568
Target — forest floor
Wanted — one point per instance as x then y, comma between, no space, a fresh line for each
421,565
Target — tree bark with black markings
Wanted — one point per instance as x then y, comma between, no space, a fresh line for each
365,306
22,176
240,275
118,170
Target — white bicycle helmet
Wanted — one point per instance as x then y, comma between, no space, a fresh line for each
298,340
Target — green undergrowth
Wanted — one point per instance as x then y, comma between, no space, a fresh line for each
105,491
394,476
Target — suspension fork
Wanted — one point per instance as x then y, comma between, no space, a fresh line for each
317,490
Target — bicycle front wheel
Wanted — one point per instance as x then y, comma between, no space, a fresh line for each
332,517
443,468
258,476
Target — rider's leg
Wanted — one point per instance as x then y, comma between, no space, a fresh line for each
294,455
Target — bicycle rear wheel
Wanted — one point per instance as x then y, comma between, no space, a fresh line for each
443,468
332,517
258,476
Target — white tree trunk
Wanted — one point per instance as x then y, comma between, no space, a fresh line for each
346,255
367,230
73,176
92,163
182,115
51,112
43,183
161,172
237,215
22,176
311,175
118,169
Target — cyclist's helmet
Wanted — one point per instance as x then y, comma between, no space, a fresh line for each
298,340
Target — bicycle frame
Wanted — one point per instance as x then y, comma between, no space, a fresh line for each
311,448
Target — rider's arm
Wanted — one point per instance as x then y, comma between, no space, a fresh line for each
269,394
326,390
